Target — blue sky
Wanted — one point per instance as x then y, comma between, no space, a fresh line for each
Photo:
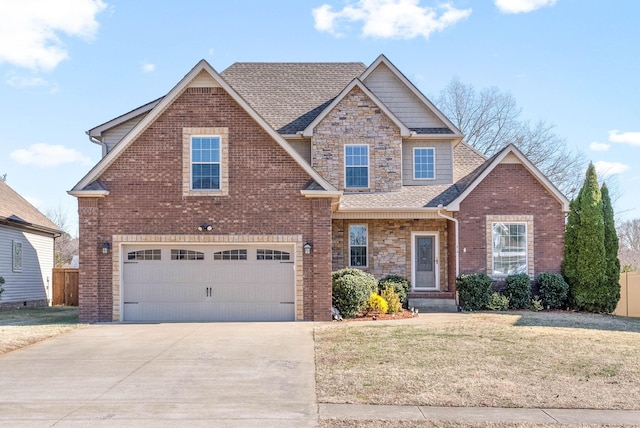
69,65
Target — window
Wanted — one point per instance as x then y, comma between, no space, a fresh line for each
144,255
424,163
272,255
17,256
356,161
358,245
509,248
205,163
186,255
230,255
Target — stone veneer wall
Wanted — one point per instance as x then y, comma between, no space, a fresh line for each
389,246
358,120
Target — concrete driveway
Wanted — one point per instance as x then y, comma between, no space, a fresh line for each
210,374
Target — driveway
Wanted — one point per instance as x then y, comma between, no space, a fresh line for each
222,374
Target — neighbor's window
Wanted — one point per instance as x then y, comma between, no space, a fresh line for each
424,163
509,242
358,245
356,161
205,163
17,256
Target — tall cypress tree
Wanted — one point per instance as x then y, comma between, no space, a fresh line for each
585,268
611,286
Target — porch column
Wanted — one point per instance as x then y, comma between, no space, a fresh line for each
321,209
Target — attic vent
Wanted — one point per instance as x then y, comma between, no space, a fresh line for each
199,90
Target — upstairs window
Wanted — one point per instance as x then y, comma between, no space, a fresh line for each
424,165
356,161
205,163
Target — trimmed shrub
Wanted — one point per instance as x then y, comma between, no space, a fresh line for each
351,289
474,290
554,291
518,289
390,295
401,285
377,304
498,302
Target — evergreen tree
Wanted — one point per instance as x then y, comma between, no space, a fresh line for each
585,267
569,261
611,286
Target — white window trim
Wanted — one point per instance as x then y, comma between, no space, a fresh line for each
368,166
366,246
414,163
223,134
528,221
191,162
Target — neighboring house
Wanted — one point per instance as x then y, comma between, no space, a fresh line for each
235,195
26,251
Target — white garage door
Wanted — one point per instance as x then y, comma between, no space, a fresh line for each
208,283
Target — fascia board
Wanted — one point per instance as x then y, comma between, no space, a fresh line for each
383,59
404,131
167,100
88,193
455,204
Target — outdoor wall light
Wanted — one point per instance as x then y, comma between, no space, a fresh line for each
307,248
105,247
204,227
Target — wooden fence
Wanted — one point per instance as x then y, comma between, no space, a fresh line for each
629,304
65,286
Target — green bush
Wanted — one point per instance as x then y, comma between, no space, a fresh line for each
518,289
351,289
401,285
390,295
554,291
474,290
498,302
377,304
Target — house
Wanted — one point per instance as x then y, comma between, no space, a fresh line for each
235,195
26,251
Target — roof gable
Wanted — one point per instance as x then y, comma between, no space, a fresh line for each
194,78
509,154
404,131
17,210
435,116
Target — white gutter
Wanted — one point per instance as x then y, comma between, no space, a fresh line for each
455,221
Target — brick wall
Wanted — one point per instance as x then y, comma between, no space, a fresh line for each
146,195
511,190
357,120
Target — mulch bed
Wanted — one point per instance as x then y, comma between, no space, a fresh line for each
377,316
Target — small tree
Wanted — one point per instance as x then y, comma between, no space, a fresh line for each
611,285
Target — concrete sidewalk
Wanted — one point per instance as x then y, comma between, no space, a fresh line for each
479,414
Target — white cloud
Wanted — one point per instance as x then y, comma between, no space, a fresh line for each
599,147
148,67
20,82
632,138
607,169
397,19
48,155
30,30
522,6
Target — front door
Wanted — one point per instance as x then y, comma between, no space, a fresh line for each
425,262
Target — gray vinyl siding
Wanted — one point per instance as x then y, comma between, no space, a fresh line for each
400,100
443,161
33,283
303,147
112,136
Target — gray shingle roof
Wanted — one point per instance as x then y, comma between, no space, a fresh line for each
290,95
15,209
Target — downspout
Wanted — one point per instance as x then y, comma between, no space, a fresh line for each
455,221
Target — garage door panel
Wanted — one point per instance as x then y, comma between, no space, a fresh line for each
242,289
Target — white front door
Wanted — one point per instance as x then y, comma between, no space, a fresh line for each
425,261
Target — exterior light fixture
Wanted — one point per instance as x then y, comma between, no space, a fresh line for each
307,248
105,247
204,227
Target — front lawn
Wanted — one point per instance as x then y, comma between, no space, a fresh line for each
514,359
23,327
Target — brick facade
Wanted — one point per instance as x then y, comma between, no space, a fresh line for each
358,120
146,197
510,190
